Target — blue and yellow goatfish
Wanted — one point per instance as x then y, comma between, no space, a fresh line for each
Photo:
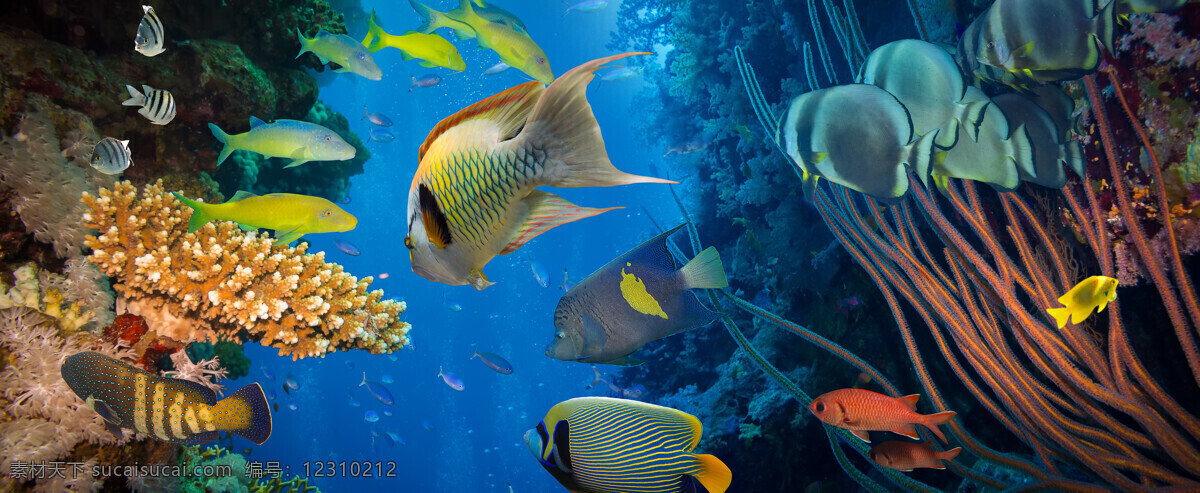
289,214
342,50
431,49
300,141
604,445
474,194
164,408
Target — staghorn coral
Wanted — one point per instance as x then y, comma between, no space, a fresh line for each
41,419
223,280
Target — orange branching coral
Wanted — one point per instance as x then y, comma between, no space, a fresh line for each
222,280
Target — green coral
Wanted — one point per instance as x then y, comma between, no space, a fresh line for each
747,432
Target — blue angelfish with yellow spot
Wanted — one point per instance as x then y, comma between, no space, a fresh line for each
474,195
638,297
165,408
606,445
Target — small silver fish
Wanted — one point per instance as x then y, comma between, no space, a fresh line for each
497,68
149,40
111,156
427,80
376,118
158,105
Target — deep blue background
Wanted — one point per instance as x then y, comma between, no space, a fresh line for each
476,440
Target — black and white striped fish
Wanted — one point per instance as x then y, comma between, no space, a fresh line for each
111,156
158,105
149,40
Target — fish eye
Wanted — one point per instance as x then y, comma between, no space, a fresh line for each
328,138
362,56
560,334
327,213
408,243
541,61
820,407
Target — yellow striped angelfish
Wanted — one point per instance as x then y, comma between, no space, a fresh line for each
474,194
165,408
606,445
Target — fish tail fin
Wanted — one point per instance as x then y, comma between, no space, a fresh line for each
136,98
247,413
705,271
949,454
433,18
1073,156
569,7
563,125
1106,22
713,474
933,420
303,42
374,33
1060,315
366,113
364,380
223,138
474,351
200,215
920,155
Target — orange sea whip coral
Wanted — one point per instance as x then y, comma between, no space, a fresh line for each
219,281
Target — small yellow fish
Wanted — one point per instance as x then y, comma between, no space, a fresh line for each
290,215
1092,293
514,46
431,49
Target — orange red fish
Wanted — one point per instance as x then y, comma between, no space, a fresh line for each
906,456
861,411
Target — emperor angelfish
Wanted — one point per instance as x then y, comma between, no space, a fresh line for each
856,135
149,39
111,156
342,50
300,141
1046,40
1049,152
925,79
158,105
1000,156
606,445
474,193
165,408
639,297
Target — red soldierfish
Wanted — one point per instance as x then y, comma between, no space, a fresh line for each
861,411
906,456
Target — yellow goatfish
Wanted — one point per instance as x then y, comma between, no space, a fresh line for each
1092,293
474,193
431,49
514,46
290,215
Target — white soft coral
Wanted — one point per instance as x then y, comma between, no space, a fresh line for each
207,372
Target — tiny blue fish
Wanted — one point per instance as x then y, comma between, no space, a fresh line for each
452,380
386,379
267,373
387,411
354,402
370,417
493,361
427,80
347,248
379,135
585,6
291,382
451,304
379,391
376,118
497,68
427,425
539,273
293,406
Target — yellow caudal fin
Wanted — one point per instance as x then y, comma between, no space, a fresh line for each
704,271
547,211
245,413
508,110
562,124
713,474
1060,315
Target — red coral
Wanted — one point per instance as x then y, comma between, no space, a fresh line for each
127,327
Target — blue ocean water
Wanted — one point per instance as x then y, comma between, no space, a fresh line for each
475,438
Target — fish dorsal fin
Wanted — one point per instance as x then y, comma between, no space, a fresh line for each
672,417
508,110
323,33
255,122
547,211
910,401
240,195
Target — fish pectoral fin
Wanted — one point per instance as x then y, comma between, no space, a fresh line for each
547,211
427,64
594,336
286,238
247,227
114,429
405,56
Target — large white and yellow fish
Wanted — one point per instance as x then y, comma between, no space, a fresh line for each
475,195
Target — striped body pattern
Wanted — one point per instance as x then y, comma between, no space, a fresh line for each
165,408
149,40
476,189
158,105
615,447
111,156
